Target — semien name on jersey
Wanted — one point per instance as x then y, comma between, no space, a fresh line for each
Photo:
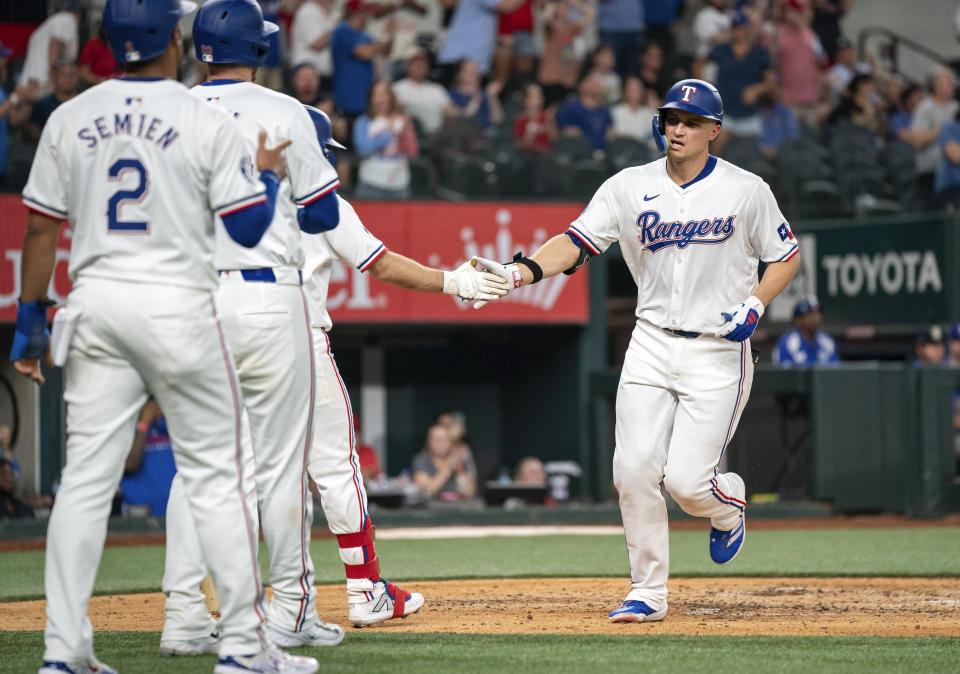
126,124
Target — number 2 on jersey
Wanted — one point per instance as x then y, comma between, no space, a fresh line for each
116,172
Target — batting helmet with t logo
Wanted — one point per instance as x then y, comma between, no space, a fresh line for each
696,96
232,31
139,30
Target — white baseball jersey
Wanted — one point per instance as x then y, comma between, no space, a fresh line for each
693,250
350,242
123,161
309,175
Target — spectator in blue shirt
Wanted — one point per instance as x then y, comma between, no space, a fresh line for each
620,25
270,74
63,76
474,102
149,468
472,33
779,126
743,75
900,116
586,116
662,19
806,345
353,53
947,181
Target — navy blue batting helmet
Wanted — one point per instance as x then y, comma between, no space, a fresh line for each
324,133
232,31
696,96
139,30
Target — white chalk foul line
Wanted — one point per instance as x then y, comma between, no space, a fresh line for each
421,533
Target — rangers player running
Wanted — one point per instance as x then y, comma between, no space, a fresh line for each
139,167
267,328
333,462
692,229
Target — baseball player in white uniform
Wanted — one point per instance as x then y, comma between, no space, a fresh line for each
332,459
139,167
333,462
267,328
692,229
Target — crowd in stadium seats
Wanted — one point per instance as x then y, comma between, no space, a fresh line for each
544,99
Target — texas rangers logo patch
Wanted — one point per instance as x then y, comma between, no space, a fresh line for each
656,234
784,231
206,53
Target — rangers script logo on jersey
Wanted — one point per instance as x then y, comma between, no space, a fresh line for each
656,234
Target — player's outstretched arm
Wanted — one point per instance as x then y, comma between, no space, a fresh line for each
559,254
741,320
39,258
466,282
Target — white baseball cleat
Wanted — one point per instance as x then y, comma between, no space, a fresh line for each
207,643
270,661
92,666
389,601
317,633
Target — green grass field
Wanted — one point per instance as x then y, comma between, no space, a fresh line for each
932,552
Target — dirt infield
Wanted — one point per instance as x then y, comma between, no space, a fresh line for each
699,606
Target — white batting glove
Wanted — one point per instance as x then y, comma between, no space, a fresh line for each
508,273
469,283
741,320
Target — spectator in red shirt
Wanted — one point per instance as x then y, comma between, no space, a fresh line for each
516,50
534,130
369,461
799,56
96,62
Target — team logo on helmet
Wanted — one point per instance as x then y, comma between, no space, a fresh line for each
206,53
687,91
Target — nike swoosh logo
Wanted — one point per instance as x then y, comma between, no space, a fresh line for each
646,198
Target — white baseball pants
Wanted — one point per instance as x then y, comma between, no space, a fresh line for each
133,339
678,405
268,331
334,466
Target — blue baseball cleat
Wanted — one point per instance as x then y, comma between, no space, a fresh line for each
636,611
724,545
92,666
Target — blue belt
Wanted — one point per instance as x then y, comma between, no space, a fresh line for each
682,333
263,275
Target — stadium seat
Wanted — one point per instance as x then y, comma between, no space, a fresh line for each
570,149
623,152
819,199
420,187
588,175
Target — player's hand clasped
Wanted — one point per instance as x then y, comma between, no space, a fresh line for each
510,273
469,283
741,320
